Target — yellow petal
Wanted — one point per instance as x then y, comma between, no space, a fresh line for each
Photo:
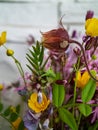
91,27
35,105
85,78
3,38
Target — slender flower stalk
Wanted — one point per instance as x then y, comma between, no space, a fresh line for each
77,69
76,42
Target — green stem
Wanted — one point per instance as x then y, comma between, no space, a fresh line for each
7,120
79,120
18,64
74,98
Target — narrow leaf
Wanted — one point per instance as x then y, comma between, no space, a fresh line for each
88,91
1,106
32,70
85,109
21,126
13,117
38,46
7,111
33,65
58,94
41,55
18,108
68,118
35,50
32,59
33,54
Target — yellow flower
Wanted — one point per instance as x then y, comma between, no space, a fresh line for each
35,105
83,79
91,27
2,38
1,87
16,124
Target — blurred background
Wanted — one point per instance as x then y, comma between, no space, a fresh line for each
24,19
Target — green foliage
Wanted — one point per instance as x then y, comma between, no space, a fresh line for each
21,126
13,116
7,111
18,109
85,109
67,118
35,58
88,91
58,94
1,106
94,126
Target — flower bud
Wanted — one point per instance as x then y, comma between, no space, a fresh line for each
9,52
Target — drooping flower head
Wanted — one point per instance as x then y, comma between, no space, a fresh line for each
56,39
38,105
2,38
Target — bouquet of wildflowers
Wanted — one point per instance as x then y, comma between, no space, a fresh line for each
61,90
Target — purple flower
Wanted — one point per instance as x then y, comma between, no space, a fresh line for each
31,120
95,115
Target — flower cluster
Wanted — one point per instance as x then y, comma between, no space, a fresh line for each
61,91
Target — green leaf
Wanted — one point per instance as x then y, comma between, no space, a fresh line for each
88,91
21,126
32,59
7,111
68,118
85,109
58,94
41,55
33,65
38,46
18,108
33,54
49,73
94,127
13,116
1,106
32,70
35,50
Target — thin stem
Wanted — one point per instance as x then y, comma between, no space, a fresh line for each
82,49
74,98
79,120
7,120
18,64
